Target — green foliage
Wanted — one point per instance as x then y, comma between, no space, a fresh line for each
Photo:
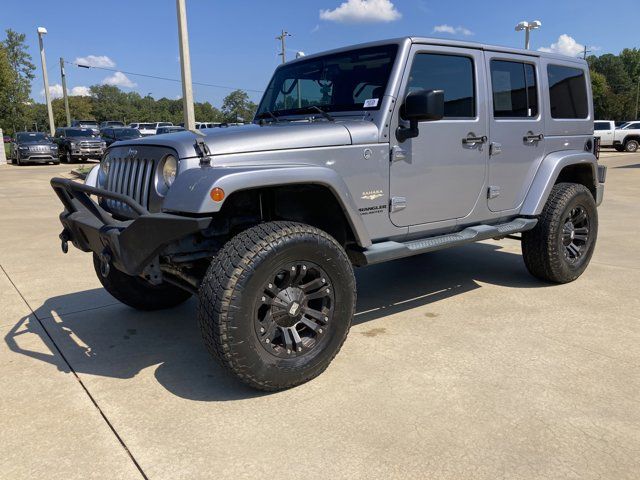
16,72
614,80
236,107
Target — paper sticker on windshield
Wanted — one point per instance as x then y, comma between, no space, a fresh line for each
371,103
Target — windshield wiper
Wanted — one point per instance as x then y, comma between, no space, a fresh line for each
270,114
320,111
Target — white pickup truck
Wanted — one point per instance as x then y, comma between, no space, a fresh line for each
625,138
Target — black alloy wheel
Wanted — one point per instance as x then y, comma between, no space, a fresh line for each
575,234
294,310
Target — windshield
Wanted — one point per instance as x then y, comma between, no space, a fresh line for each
147,126
339,82
31,137
88,124
80,132
123,133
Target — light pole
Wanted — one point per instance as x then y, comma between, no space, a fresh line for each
52,128
527,27
185,67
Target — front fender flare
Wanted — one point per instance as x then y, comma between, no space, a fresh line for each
548,173
190,192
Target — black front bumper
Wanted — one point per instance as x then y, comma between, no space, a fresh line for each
130,245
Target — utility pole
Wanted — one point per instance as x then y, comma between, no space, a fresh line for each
284,34
64,92
52,128
637,97
185,67
584,52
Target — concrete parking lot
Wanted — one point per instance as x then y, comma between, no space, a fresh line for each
459,365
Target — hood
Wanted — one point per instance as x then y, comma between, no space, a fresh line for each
274,136
36,142
84,139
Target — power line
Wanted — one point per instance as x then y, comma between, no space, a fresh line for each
157,77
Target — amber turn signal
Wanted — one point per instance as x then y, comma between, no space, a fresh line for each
217,194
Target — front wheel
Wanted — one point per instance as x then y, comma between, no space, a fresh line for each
137,292
560,246
68,158
276,304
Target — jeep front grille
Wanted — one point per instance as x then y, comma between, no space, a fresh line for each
132,177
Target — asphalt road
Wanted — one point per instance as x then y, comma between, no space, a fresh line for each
459,365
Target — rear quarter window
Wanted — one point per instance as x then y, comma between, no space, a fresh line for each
567,92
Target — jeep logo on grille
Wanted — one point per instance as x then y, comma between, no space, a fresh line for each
132,153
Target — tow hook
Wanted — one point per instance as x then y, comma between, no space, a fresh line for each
105,264
64,241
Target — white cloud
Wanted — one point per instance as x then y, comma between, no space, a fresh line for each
362,11
119,79
55,91
315,29
96,61
452,30
565,45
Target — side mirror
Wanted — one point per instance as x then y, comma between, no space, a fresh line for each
420,106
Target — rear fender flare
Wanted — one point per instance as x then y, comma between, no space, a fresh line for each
548,173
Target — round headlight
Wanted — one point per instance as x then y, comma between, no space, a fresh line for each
105,164
169,169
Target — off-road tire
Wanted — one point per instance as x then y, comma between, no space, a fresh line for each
233,286
68,158
137,292
631,146
542,247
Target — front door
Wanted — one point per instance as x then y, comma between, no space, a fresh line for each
517,126
440,174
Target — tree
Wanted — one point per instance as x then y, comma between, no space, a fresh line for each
236,107
22,68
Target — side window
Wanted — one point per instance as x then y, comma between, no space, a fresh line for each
601,126
567,92
633,126
515,93
451,73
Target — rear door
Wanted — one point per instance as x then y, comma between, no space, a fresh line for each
517,128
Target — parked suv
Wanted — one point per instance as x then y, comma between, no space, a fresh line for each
78,144
111,124
356,156
110,135
33,147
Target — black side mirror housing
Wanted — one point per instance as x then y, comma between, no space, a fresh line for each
420,106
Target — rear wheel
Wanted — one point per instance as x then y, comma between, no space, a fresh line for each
68,158
631,146
560,246
138,293
276,304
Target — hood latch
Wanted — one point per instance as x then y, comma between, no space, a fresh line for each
202,149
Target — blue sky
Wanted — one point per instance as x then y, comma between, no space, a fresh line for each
233,44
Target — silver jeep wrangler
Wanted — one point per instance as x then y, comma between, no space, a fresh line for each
356,156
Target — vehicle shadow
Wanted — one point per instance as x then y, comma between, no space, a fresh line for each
118,342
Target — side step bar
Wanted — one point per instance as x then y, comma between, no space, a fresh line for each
384,251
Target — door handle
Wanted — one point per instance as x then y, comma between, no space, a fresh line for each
530,138
471,141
